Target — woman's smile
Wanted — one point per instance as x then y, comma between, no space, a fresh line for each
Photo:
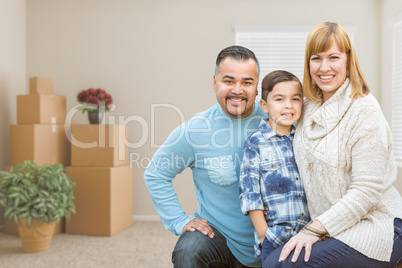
328,70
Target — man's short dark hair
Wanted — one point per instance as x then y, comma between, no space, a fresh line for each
237,53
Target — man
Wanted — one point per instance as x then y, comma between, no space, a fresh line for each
211,144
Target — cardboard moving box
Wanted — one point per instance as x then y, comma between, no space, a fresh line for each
40,85
98,145
103,200
41,109
44,144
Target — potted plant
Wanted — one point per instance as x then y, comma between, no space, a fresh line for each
35,197
95,102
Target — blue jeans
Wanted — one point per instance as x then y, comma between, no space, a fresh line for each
332,253
193,249
266,248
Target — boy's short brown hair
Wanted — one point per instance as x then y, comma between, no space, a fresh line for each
275,77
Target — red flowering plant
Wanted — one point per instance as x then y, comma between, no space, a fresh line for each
93,99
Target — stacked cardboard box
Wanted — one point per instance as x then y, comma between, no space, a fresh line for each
104,183
39,134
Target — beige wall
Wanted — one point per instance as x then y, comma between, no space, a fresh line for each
12,70
390,10
163,52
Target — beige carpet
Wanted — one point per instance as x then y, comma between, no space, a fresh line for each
145,244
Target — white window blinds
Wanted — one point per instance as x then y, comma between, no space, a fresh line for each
397,89
276,48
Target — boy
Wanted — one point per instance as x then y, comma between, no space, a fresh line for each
269,175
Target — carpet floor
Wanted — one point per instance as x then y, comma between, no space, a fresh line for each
145,244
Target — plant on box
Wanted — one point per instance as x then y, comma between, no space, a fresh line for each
35,196
91,99
95,102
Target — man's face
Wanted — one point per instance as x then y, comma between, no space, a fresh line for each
236,87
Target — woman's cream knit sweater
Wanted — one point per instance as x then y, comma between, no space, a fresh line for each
343,150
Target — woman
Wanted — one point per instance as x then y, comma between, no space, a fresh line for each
343,148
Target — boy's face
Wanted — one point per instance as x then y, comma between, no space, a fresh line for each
283,106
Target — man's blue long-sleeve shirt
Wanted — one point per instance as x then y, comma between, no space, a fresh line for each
211,144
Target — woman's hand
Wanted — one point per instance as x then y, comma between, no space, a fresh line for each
301,240
297,243
200,225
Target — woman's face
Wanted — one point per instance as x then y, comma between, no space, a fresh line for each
328,70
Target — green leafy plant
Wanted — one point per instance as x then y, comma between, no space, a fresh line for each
44,192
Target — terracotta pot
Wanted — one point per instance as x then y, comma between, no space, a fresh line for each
35,239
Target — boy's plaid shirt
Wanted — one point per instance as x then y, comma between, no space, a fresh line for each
269,176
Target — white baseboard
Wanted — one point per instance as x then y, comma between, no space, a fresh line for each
146,218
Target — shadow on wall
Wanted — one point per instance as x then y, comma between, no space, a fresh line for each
398,183
4,125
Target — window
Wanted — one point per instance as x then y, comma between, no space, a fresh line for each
277,48
397,88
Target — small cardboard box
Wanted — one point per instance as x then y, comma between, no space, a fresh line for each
103,200
40,85
44,144
98,145
41,109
